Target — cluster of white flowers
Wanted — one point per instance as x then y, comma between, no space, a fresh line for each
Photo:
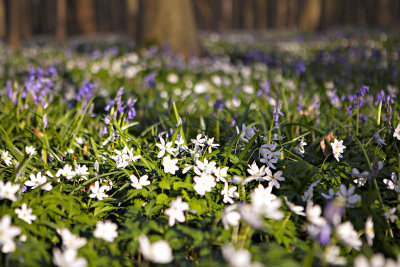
264,174
375,261
70,245
124,158
268,155
68,173
337,149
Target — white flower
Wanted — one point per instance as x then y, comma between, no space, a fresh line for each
377,260
159,252
38,180
80,140
300,147
392,184
369,230
210,143
6,158
379,139
247,133
309,193
390,214
7,234
68,258
230,217
362,177
337,149
331,194
229,193
139,183
170,165
265,203
397,132
175,211
346,233
81,171
221,173
98,191
106,230
67,172
124,158
313,214
172,78
204,167
299,210
274,180
165,148
71,241
8,190
204,183
347,195
199,142
268,155
331,256
238,258
30,150
25,214
257,173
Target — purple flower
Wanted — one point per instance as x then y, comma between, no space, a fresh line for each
324,235
364,90
85,92
277,112
149,80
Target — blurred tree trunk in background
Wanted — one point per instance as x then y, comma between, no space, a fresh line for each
25,20
2,19
328,18
61,25
384,13
170,21
131,17
225,21
281,13
14,38
248,14
260,12
205,14
292,13
310,15
85,12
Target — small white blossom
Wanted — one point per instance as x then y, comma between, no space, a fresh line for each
25,214
369,231
6,158
165,148
82,171
229,193
309,193
392,184
246,134
331,256
159,252
274,180
257,173
139,183
397,132
170,165
346,233
337,149
204,183
362,177
30,150
8,190
299,210
106,230
38,180
175,211
68,258
238,258
71,241
230,217
268,155
221,173
7,234
98,191
347,195
313,214
390,214
67,172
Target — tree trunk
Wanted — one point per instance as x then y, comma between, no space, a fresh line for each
61,25
131,17
260,12
86,16
248,16
310,15
292,13
281,11
329,14
225,22
170,22
14,38
2,19
384,13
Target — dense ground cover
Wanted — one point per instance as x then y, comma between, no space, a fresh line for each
275,150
